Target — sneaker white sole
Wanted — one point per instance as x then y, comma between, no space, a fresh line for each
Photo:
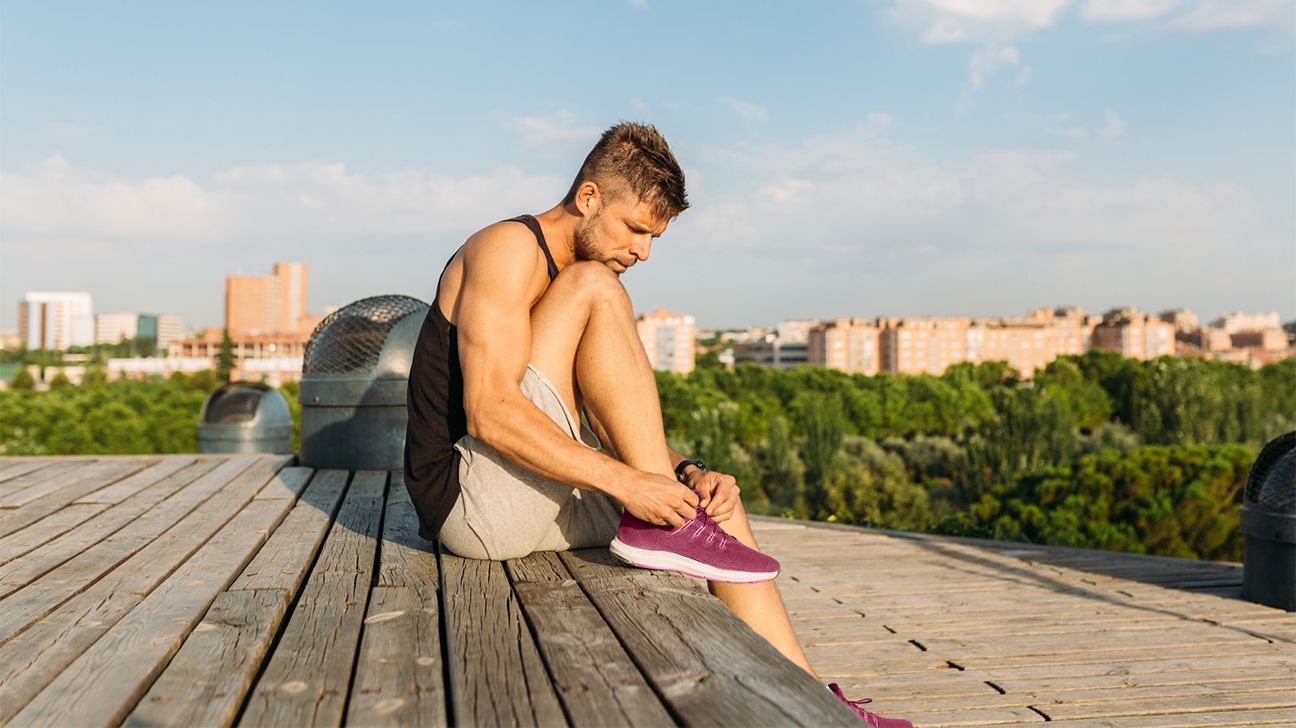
665,560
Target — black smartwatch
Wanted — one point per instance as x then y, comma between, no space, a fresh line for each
679,469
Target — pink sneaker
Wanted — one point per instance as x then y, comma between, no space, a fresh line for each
699,548
872,719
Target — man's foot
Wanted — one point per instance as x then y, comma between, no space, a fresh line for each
699,548
872,719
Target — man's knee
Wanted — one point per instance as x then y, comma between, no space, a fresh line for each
591,282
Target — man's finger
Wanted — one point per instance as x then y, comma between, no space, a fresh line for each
691,498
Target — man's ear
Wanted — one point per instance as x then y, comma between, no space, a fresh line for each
588,198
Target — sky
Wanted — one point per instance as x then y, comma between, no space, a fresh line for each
866,158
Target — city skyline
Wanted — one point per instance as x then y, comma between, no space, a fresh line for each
900,158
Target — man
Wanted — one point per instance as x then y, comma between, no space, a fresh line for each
531,327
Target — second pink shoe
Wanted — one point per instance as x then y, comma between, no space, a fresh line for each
699,548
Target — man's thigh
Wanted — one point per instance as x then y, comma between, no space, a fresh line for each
559,320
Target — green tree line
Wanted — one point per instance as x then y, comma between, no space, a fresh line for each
1095,451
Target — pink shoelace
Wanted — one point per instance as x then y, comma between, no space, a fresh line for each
708,527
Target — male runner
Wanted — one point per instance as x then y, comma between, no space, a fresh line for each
531,327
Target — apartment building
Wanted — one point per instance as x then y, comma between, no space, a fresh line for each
850,345
56,320
669,340
1132,334
273,304
111,328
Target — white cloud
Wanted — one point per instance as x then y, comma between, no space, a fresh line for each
558,132
862,193
748,110
879,120
1113,128
990,60
1101,10
57,202
1215,15
950,21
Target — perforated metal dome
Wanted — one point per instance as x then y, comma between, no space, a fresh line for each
351,339
245,417
354,377
1272,482
234,406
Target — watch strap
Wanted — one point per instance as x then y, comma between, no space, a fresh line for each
679,469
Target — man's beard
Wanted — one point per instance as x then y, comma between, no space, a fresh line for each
583,240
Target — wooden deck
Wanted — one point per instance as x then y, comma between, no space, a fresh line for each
190,590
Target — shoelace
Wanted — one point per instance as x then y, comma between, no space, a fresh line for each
836,690
710,528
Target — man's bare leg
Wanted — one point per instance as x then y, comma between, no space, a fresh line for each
585,341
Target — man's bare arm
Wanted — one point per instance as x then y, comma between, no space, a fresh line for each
494,323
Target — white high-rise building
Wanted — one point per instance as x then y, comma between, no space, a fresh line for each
56,320
111,328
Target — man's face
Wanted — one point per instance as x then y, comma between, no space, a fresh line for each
619,234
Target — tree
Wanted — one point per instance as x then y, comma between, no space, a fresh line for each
23,381
824,426
60,381
225,358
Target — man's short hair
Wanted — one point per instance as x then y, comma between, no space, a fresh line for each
632,158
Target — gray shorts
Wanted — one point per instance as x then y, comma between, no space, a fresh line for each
505,511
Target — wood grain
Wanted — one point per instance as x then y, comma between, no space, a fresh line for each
708,666
496,674
307,677
596,680
35,656
105,682
399,670
35,562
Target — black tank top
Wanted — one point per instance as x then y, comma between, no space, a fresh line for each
436,413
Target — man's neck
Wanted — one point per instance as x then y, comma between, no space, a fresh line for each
559,227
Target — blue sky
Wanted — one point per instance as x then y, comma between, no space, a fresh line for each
898,157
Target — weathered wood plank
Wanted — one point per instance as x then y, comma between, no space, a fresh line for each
12,469
496,674
709,667
38,654
596,680
1278,716
27,602
123,489
46,529
205,683
70,486
283,562
83,480
398,678
307,677
1184,707
36,476
72,542
106,681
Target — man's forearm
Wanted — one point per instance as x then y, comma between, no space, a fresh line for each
519,431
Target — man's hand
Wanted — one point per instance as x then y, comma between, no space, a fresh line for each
660,500
718,492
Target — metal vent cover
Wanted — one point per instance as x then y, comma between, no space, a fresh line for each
232,405
350,340
1272,482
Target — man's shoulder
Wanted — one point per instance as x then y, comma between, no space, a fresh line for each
505,250
501,237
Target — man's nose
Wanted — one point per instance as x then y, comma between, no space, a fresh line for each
641,250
